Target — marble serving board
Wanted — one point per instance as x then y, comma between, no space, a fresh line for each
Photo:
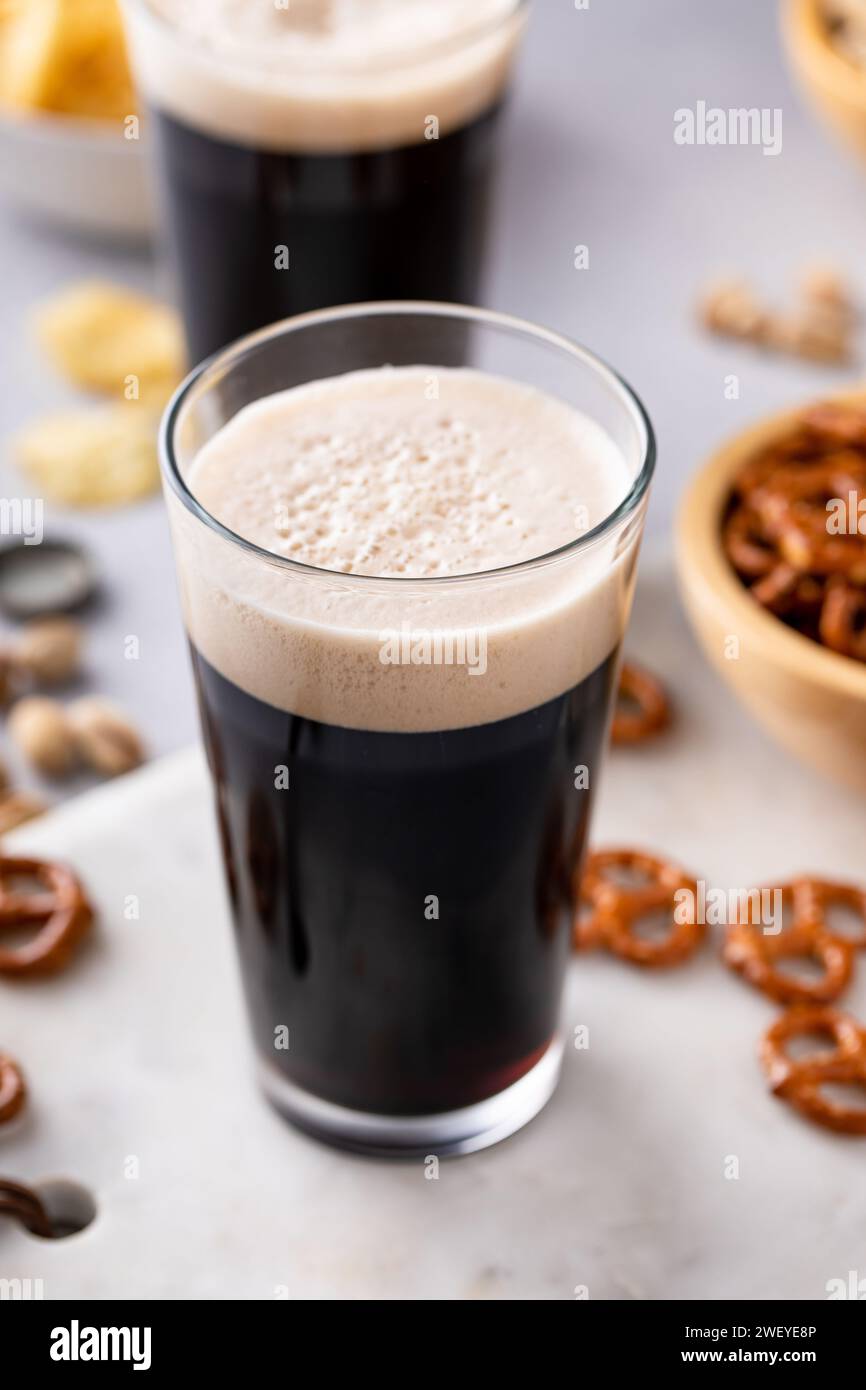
141,1090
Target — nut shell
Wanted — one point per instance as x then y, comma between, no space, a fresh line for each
106,740
49,650
41,730
18,807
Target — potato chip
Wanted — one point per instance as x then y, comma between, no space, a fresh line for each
26,40
93,458
108,339
66,56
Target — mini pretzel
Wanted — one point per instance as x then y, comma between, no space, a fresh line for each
807,485
755,953
25,1206
61,913
784,590
817,895
777,532
13,1092
797,445
617,909
749,550
843,619
844,424
794,518
639,688
799,1080
805,543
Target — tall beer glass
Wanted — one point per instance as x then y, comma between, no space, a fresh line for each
319,153
405,758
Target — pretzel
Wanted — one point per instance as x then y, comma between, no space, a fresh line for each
818,482
804,541
61,913
638,687
786,590
747,546
799,1080
790,509
777,533
843,424
799,445
616,910
13,1092
26,1206
754,953
843,619
817,895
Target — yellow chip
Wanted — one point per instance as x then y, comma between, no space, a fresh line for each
108,339
26,42
94,458
66,56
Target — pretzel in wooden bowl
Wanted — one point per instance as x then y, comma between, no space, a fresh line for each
779,531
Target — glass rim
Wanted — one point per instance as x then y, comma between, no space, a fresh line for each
244,56
222,361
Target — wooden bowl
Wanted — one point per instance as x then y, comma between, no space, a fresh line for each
835,86
810,699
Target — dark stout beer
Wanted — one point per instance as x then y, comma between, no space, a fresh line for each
406,223
405,662
311,156
388,1009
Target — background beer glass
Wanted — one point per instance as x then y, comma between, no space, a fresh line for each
349,791
310,157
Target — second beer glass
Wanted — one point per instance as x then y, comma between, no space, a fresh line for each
316,154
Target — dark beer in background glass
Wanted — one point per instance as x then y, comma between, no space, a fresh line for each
405,589
321,154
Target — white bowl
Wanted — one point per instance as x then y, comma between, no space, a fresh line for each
76,174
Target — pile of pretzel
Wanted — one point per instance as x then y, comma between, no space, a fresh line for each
809,935
620,890
50,899
780,533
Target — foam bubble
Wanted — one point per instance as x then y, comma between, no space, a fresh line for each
323,75
410,473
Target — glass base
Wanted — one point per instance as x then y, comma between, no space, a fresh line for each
418,1136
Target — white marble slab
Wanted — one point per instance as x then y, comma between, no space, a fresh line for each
140,1051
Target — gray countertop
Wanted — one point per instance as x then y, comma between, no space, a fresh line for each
589,159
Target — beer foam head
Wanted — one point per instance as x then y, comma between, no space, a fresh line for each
323,76
410,471
411,493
